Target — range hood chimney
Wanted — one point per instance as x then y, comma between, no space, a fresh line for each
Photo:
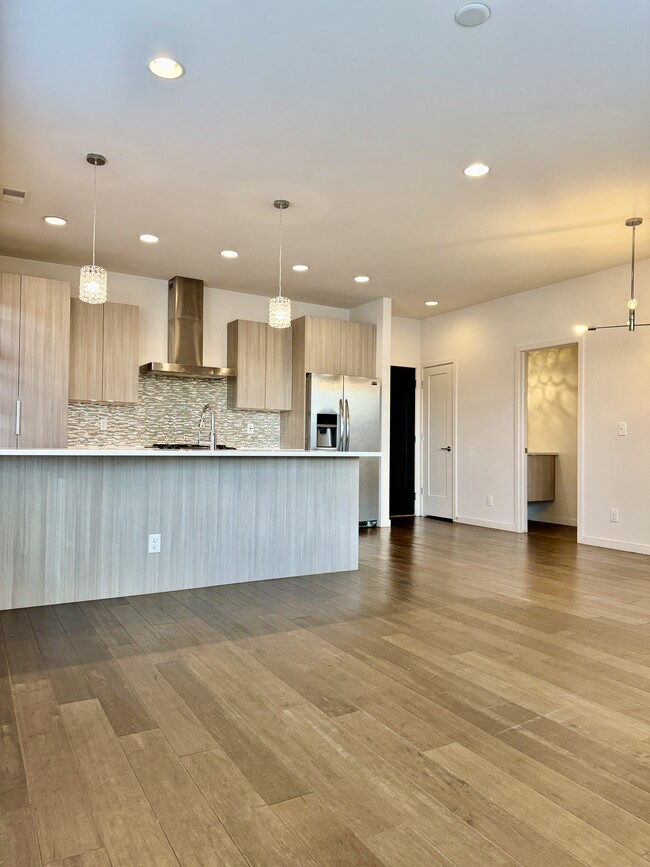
185,334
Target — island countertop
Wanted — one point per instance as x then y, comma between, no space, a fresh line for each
185,453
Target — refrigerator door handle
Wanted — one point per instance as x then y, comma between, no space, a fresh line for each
339,428
347,426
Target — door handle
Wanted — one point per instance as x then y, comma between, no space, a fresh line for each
339,428
347,426
18,417
445,448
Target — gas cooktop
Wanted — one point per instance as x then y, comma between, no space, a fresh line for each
190,446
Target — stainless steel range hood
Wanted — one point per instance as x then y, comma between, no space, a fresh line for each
185,335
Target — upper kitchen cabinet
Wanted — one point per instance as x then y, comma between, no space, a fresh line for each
322,344
335,346
35,341
103,352
262,358
358,348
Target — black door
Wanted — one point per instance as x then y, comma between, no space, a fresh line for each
402,441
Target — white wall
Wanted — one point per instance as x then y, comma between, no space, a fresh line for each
553,427
379,313
615,470
220,307
405,342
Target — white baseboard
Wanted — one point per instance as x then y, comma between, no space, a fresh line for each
615,544
491,525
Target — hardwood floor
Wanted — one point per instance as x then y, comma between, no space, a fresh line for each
469,697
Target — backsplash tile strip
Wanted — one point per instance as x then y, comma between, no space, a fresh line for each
168,411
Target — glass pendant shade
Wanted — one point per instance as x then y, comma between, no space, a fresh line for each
93,284
93,279
279,312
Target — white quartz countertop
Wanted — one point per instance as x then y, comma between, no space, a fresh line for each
180,453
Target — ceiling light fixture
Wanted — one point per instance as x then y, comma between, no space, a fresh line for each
93,279
55,221
280,306
361,279
476,170
300,267
430,303
631,323
229,254
472,14
166,67
149,239
580,329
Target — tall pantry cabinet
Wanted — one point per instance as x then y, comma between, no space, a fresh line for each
34,353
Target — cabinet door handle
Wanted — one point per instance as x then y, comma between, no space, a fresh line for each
18,417
445,448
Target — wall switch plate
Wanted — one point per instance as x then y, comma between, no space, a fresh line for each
103,423
613,516
489,500
621,427
154,543
250,427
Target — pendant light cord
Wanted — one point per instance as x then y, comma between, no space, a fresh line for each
94,208
280,260
633,252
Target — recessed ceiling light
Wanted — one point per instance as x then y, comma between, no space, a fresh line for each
580,329
229,254
431,303
361,279
472,14
55,221
476,170
300,267
166,67
149,239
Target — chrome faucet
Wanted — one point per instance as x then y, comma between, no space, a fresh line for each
207,409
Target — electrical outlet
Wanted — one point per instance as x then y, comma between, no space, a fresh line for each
103,423
613,516
154,543
621,427
250,427
489,500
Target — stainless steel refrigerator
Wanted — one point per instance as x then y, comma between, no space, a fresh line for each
343,414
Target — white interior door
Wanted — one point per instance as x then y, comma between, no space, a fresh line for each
438,433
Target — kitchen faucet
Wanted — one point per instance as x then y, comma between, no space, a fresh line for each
207,408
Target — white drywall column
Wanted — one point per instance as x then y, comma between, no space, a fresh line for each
379,313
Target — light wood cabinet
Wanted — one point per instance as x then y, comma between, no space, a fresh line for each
35,334
261,355
103,352
324,346
541,477
358,348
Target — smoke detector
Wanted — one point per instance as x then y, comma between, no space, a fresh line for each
14,196
472,14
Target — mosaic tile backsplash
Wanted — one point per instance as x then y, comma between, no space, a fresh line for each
168,411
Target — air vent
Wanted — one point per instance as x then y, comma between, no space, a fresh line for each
16,197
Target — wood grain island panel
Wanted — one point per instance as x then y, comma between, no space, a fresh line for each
78,526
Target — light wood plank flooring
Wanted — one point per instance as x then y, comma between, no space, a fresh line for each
469,697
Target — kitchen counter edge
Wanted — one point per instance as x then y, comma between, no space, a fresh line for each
179,453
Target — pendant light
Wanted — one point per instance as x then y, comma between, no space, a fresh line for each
93,279
280,306
631,323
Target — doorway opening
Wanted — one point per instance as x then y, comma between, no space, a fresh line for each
438,431
402,442
549,409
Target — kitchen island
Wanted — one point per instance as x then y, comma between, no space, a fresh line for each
76,523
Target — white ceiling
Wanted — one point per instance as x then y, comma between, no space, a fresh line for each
361,112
